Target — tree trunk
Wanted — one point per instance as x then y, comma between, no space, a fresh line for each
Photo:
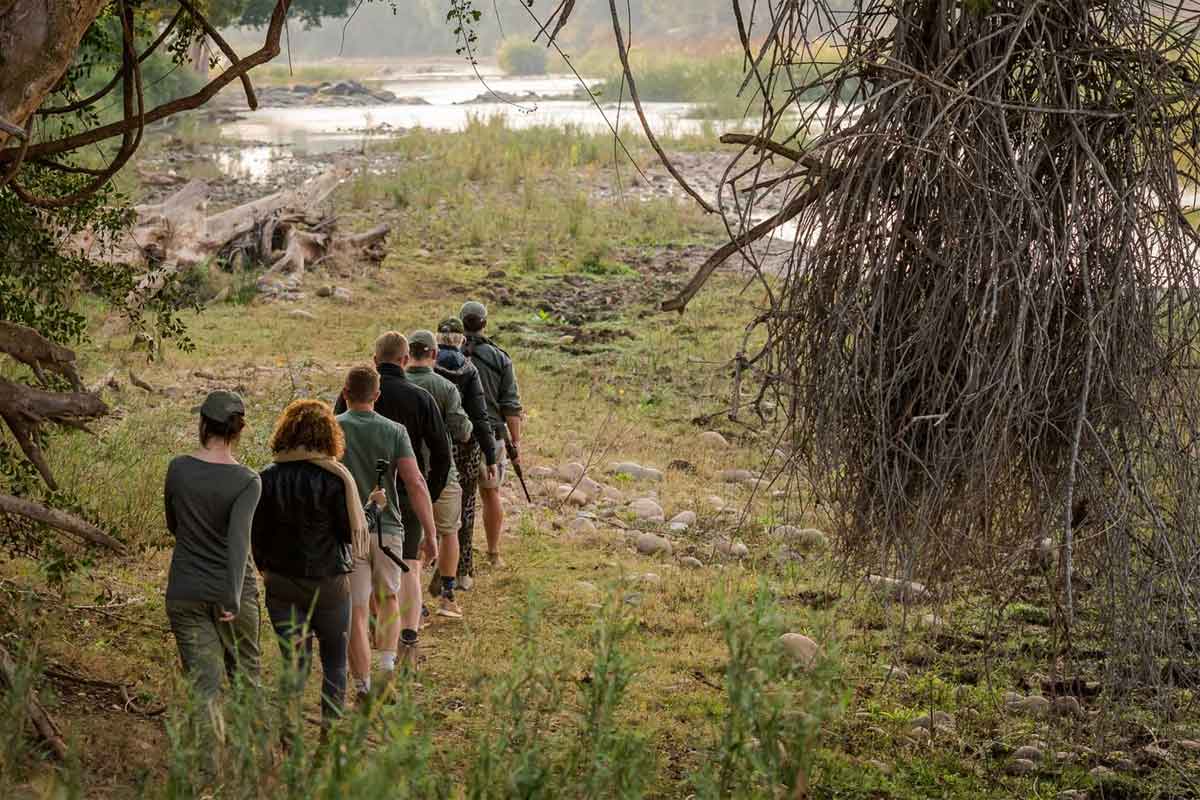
38,40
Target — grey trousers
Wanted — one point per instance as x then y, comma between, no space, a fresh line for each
210,649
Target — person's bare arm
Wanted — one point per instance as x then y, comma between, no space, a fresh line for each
514,430
418,495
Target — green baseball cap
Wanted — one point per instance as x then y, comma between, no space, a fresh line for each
421,343
221,405
473,308
451,325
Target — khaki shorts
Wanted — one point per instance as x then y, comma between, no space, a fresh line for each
377,573
501,468
447,511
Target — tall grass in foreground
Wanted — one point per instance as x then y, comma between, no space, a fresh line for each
544,732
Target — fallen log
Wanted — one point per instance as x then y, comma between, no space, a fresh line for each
61,520
42,722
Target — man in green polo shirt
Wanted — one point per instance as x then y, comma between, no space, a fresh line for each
447,511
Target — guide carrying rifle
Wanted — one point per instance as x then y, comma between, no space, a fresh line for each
375,516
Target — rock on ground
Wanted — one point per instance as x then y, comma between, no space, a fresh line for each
685,518
1028,753
1021,766
737,476
540,473
733,549
802,650
581,525
712,439
690,562
910,591
570,472
652,544
801,538
647,509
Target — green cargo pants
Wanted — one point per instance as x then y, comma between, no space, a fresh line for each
209,648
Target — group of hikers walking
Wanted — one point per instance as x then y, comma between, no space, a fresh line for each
358,500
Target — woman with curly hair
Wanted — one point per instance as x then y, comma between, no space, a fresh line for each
308,528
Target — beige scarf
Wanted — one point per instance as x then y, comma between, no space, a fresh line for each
360,534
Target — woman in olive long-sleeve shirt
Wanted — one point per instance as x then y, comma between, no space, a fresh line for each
212,597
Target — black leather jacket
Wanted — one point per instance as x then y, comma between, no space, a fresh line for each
300,527
456,368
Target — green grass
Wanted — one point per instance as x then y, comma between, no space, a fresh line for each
682,696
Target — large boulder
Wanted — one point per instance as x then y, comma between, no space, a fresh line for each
685,518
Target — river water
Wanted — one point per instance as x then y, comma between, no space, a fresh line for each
271,134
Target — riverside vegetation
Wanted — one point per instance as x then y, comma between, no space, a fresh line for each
587,669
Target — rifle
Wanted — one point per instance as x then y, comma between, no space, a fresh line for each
512,456
381,468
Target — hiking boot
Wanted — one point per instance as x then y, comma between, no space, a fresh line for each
465,582
496,561
449,609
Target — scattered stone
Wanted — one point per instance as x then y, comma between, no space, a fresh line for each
1035,705
1125,765
571,472
300,313
341,295
651,474
1028,753
712,439
612,495
650,579
715,502
537,473
920,735
325,291
876,764
802,649
589,487
801,538
626,468
1068,706
586,586
1013,699
1190,745
1155,755
677,527
736,476
685,518
909,591
582,525
690,562
732,549
647,509
939,720
1021,766
1100,773
570,494
651,544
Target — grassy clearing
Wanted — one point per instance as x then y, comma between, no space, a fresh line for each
697,702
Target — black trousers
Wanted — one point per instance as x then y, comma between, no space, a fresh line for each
302,609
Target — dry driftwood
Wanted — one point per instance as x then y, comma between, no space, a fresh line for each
286,231
42,723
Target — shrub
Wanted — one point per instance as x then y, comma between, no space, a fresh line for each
522,57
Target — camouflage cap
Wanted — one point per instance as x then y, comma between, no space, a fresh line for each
473,308
421,343
221,405
451,325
